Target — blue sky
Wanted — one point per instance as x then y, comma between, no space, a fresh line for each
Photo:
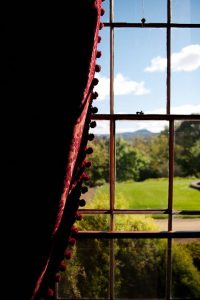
140,62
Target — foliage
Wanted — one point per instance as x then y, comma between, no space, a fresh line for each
187,139
138,263
194,250
99,172
185,275
130,162
140,158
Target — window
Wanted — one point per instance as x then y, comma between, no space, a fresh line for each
140,235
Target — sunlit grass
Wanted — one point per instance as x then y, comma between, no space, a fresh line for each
148,194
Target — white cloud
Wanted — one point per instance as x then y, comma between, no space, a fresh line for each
158,64
185,109
122,86
101,128
103,87
188,59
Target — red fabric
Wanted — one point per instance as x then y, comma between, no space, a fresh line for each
46,86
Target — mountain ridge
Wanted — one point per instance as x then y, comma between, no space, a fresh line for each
132,134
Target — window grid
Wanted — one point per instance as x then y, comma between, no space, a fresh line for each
112,118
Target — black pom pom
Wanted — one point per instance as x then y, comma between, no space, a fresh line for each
79,217
89,150
101,25
90,137
94,110
98,54
95,81
102,12
67,254
95,95
62,266
84,189
97,68
93,124
72,241
82,202
88,164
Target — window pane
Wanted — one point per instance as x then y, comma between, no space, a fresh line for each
98,186
103,87
134,10
185,64
131,222
105,6
140,267
141,164
186,223
87,272
140,73
186,269
185,11
186,165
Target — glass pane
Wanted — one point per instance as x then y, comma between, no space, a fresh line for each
141,164
186,269
185,63
134,10
94,222
140,75
87,272
140,222
98,186
185,11
140,267
186,223
187,165
103,87
105,6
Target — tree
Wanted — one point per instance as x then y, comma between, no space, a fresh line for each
185,275
130,162
159,155
139,264
187,138
99,172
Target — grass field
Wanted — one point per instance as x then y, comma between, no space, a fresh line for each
149,194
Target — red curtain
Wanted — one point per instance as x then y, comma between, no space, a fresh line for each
47,79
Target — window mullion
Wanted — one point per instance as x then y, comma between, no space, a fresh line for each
171,155
112,151
168,56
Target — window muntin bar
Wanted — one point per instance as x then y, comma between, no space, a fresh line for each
171,212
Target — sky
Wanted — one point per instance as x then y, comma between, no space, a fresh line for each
140,62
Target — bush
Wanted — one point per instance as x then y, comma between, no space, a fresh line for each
139,263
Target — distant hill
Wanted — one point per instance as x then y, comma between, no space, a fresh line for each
138,133
130,135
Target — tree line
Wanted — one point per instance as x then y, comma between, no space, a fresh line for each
140,158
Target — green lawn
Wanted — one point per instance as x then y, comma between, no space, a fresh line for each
149,194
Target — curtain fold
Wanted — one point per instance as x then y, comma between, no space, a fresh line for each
47,80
